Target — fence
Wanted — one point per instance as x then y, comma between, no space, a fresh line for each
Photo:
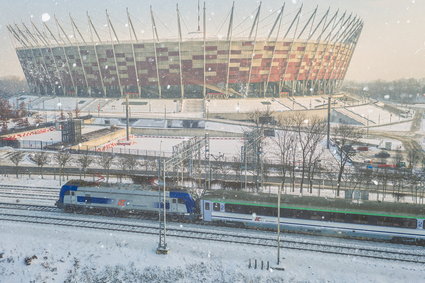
27,144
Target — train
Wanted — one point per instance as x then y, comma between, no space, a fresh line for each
123,198
399,223
380,221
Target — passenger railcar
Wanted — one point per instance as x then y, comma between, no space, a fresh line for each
369,220
130,198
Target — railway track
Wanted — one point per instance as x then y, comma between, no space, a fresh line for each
26,187
29,207
392,254
28,192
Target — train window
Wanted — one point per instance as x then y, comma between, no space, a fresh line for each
72,193
180,200
207,206
216,206
67,193
174,200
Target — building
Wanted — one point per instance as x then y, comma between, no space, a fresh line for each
299,59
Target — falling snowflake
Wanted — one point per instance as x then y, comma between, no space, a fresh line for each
45,17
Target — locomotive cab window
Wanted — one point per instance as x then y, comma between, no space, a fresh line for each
216,206
207,206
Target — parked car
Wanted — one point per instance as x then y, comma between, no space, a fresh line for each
382,154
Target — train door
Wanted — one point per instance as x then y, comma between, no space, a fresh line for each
174,205
420,224
206,210
72,198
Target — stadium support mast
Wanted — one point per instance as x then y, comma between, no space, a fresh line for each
340,39
180,54
111,29
43,59
31,35
278,19
323,22
155,40
204,23
32,59
229,39
60,29
353,38
132,31
254,26
328,41
311,23
92,28
75,28
30,78
333,46
18,34
23,36
297,20
51,53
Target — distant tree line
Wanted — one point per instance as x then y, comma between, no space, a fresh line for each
402,91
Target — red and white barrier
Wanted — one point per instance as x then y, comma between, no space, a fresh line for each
29,133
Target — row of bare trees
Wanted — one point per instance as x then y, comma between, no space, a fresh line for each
298,144
62,159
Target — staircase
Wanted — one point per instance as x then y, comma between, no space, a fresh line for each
193,105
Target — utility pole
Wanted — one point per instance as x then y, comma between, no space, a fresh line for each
329,123
127,118
162,244
278,225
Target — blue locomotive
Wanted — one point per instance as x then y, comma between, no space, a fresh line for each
116,198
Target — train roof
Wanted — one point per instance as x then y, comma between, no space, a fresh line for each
122,186
318,203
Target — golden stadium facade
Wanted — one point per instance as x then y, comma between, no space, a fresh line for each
296,59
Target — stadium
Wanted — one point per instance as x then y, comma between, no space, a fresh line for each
297,55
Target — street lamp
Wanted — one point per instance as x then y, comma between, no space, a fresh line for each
278,224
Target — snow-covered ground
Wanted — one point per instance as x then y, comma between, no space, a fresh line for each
376,115
399,127
82,255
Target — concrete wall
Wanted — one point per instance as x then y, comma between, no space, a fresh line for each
121,133
182,132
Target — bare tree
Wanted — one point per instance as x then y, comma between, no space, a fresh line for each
310,132
315,135
106,161
122,165
261,118
41,158
127,163
132,162
412,158
84,161
16,158
398,157
62,158
346,135
285,145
